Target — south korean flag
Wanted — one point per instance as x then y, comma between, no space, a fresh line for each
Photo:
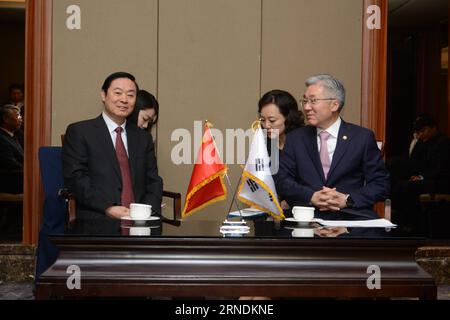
257,188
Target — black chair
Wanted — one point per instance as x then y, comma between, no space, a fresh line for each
11,203
435,216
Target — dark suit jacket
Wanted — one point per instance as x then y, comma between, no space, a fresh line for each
357,168
91,170
11,159
436,168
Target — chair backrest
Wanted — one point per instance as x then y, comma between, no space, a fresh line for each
55,207
11,181
50,162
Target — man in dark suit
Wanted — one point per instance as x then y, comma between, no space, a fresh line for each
429,173
16,98
11,152
109,162
330,164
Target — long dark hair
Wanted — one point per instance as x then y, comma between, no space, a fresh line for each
288,107
144,100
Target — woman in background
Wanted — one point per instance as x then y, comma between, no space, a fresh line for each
279,114
146,111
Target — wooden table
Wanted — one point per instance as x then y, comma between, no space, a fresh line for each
204,264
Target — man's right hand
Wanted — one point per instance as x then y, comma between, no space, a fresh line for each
320,198
117,212
330,232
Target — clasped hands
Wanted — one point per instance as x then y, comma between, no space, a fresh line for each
328,199
327,232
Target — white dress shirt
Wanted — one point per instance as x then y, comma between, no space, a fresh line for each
333,130
112,126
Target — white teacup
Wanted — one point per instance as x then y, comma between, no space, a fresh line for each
140,231
139,211
303,232
303,214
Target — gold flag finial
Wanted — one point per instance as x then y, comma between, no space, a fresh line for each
209,124
256,124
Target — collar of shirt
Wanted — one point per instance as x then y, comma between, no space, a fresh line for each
333,130
8,132
112,127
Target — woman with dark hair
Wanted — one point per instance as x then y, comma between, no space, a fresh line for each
279,114
146,110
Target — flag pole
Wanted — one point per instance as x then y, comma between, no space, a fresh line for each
255,125
228,179
234,194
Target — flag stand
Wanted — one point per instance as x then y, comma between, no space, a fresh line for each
242,222
234,228
256,187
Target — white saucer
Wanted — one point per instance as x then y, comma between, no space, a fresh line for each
148,219
234,233
299,221
234,228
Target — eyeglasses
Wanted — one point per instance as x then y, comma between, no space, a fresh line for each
313,101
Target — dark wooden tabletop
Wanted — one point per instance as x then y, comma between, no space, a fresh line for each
195,259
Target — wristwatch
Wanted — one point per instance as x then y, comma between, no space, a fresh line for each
349,202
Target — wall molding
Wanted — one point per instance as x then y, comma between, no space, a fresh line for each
38,98
373,72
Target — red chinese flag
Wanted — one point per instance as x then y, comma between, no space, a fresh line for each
206,185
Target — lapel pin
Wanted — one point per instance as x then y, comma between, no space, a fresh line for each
344,137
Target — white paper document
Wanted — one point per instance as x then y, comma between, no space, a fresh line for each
247,212
376,223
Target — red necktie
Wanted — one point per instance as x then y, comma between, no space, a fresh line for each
324,156
127,196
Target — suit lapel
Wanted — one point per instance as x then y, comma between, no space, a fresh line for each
313,151
342,144
13,141
102,132
18,146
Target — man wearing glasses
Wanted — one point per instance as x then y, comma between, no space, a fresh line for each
330,164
